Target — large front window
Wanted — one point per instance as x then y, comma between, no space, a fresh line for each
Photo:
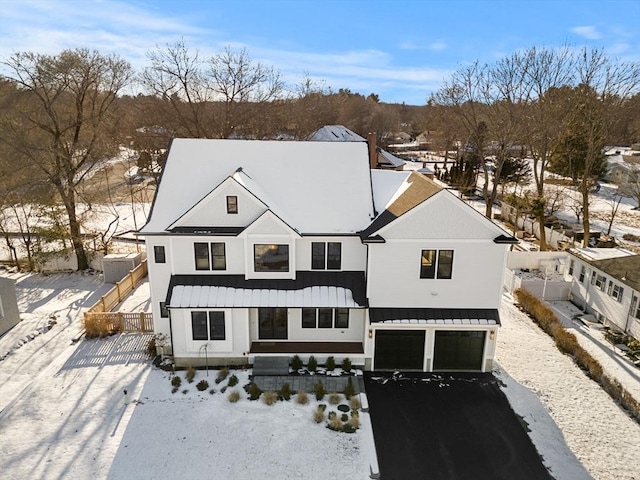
436,264
271,258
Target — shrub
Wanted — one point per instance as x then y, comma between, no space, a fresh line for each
270,397
185,391
191,373
222,375
334,398
175,389
344,417
330,364
254,391
212,391
152,351
335,423
322,406
318,415
233,380
96,327
202,385
349,390
285,392
318,388
354,403
302,397
312,364
234,396
346,365
296,363
176,381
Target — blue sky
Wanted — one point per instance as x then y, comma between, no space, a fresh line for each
401,50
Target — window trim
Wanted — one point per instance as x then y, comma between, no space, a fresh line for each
232,204
197,245
337,314
218,256
326,255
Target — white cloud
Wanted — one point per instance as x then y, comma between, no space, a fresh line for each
587,31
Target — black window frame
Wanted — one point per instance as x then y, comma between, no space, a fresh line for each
334,255
217,329
164,311
325,317
309,319
201,327
436,264
216,256
428,263
262,266
318,255
204,248
445,266
159,254
208,325
341,318
232,204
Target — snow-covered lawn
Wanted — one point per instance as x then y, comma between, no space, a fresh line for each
63,413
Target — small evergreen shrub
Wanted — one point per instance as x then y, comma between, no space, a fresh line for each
233,380
254,391
334,398
344,417
296,363
176,381
270,397
354,403
330,364
212,391
318,415
190,375
346,365
312,364
185,391
349,389
302,397
222,375
175,389
285,392
234,396
224,389
202,385
319,390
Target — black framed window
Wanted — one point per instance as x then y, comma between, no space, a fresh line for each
216,326
428,264
218,257
334,255
325,318
617,293
164,311
317,255
159,254
201,251
232,204
199,326
436,264
583,271
271,258
342,318
308,318
571,267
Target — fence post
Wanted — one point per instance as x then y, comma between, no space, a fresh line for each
120,322
142,323
104,308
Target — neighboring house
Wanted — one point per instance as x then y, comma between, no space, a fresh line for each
9,314
335,133
283,248
606,282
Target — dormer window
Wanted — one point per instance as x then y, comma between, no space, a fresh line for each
271,258
232,204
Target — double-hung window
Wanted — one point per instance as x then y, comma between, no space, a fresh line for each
617,293
159,254
583,272
210,256
326,255
601,282
436,264
207,325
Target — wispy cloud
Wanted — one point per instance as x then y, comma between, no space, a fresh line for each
587,31
436,46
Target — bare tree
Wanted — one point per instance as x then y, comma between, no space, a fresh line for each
65,121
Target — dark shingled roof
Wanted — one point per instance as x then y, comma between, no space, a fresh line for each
625,269
353,281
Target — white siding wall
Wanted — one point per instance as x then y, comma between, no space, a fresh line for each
159,276
183,255
354,253
394,275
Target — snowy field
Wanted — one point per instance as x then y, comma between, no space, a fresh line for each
63,414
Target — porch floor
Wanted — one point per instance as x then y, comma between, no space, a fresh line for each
307,347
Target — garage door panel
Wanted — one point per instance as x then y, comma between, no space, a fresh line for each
459,350
399,350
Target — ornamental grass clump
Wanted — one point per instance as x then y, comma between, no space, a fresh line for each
318,415
302,397
349,389
191,373
222,375
334,398
354,403
270,397
318,389
234,396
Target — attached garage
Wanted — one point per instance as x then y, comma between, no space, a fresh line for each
399,350
458,350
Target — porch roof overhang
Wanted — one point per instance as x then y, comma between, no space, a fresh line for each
435,316
308,289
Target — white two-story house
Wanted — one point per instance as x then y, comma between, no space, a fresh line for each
283,248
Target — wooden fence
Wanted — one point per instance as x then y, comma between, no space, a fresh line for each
101,314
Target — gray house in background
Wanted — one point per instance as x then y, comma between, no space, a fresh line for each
9,314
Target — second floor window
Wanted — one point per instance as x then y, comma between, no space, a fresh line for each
436,264
232,204
326,255
159,254
271,258
210,256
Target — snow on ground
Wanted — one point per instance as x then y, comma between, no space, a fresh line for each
63,413
600,434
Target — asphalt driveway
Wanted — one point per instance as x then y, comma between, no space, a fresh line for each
448,426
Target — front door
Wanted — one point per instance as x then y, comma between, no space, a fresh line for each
272,323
